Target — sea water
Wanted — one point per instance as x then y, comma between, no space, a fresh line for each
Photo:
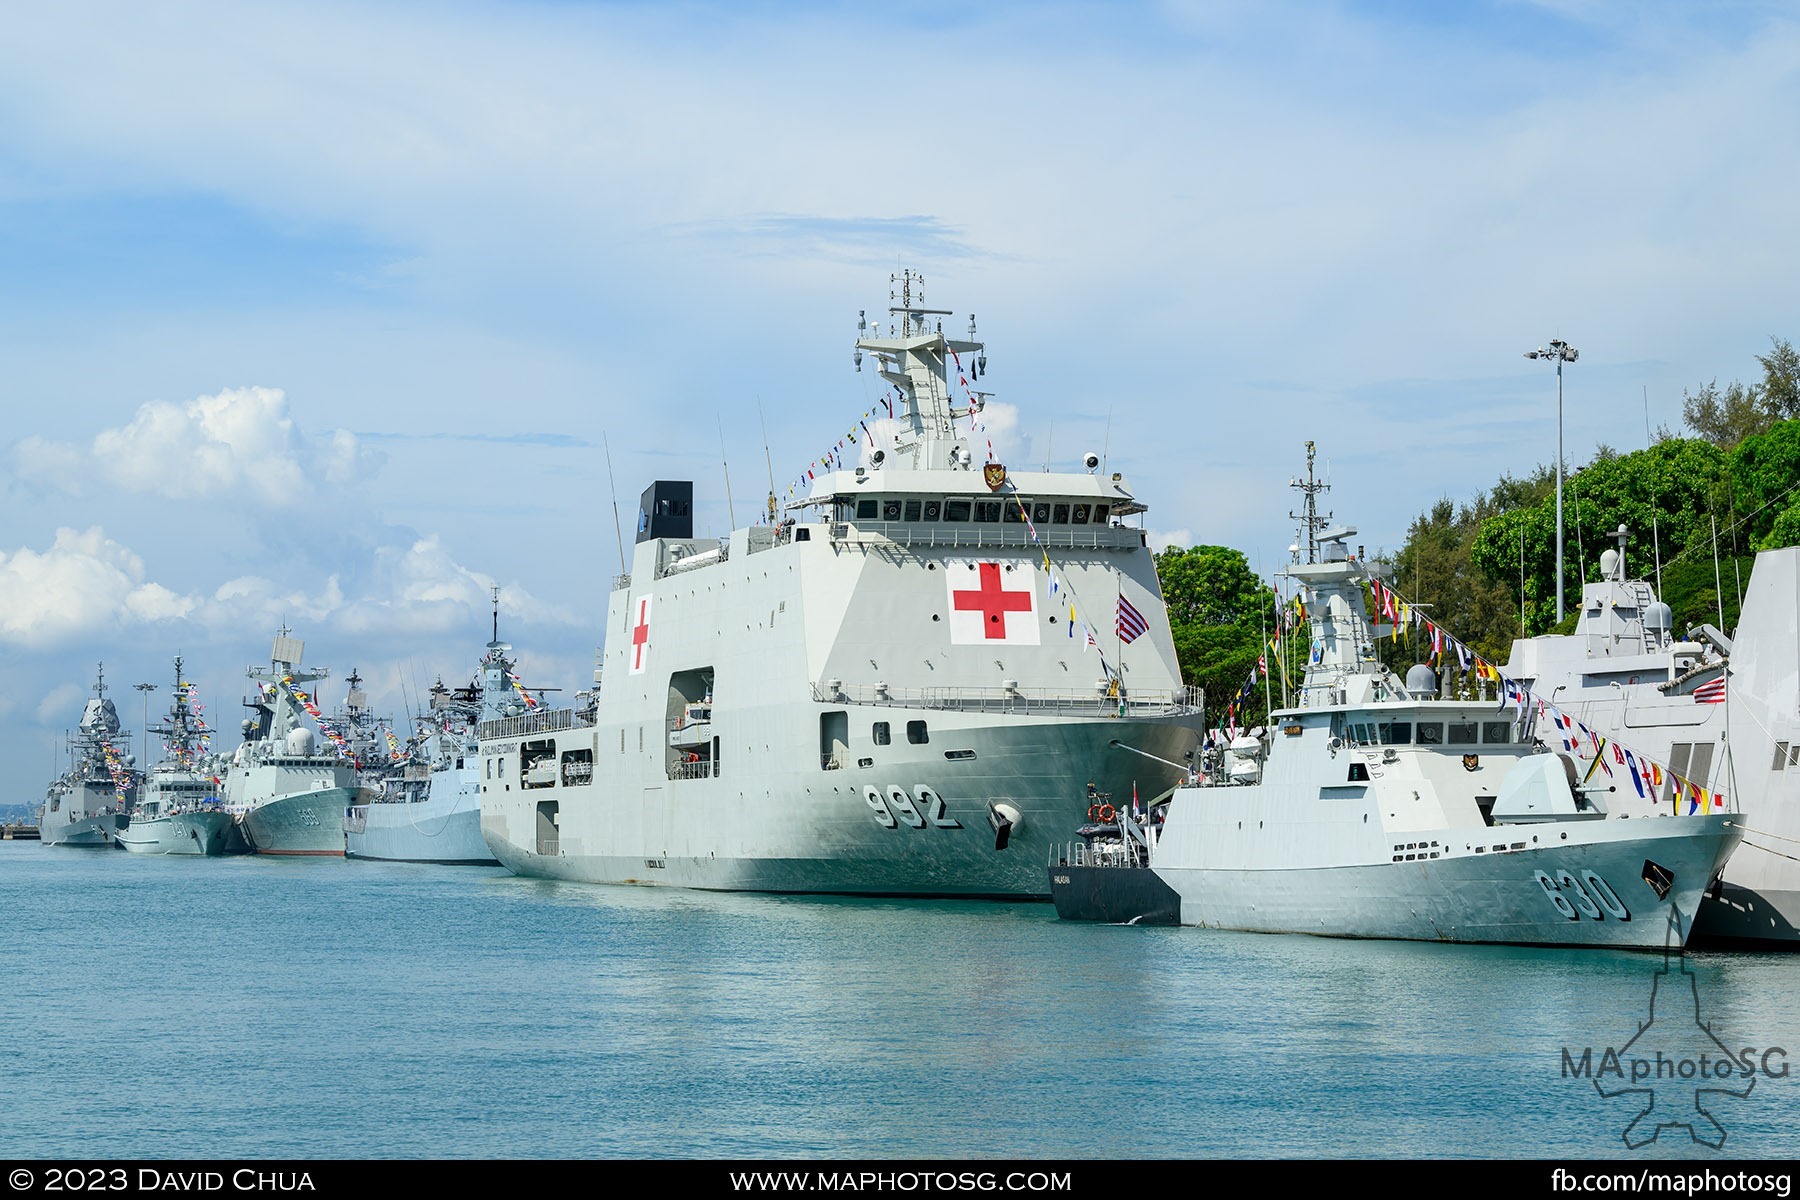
320,1008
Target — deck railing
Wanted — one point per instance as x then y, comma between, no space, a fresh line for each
1180,702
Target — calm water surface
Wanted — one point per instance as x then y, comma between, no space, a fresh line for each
257,1007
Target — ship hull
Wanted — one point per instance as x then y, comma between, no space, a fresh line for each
444,828
302,823
1498,896
95,832
913,822
208,833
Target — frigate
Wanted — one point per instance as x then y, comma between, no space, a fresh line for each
431,811
86,804
287,792
1375,808
1714,720
894,686
180,808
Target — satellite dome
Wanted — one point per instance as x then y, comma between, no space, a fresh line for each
300,742
1421,680
1610,565
1658,618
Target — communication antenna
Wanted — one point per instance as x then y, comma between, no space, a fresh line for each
730,512
1105,444
613,483
766,458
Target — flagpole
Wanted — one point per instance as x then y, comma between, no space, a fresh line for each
1268,702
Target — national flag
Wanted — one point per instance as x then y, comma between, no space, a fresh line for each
1131,624
1711,692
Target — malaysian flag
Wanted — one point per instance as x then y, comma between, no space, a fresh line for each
1131,624
1711,692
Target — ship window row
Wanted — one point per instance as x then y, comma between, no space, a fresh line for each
981,512
1431,733
916,733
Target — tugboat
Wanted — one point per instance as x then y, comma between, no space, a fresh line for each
912,667
179,808
1373,808
86,805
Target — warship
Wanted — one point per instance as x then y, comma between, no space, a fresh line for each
888,688
287,793
1375,808
1716,711
86,804
431,811
179,808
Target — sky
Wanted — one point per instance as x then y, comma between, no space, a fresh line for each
339,317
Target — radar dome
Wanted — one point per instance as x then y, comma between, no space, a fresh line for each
300,742
1421,680
1658,618
1609,565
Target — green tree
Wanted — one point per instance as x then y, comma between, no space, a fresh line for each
1745,410
1218,610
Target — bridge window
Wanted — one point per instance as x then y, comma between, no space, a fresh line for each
1462,733
1100,511
912,510
1395,733
866,510
1040,512
1081,514
987,512
890,510
1059,514
1431,733
1015,515
956,510
934,510
1496,732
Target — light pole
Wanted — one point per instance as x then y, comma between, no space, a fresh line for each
1562,352
144,746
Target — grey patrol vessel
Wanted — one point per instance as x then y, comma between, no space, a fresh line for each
882,694
1373,807
86,804
180,809
288,792
430,812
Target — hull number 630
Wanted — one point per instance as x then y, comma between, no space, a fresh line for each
1590,896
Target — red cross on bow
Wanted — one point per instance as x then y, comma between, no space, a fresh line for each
993,601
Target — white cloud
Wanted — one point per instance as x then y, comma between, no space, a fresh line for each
83,584
241,442
61,703
1176,539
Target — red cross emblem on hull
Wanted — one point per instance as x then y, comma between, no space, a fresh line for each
985,611
640,637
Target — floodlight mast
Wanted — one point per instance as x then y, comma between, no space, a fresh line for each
1562,352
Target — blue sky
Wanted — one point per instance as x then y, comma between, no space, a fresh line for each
330,314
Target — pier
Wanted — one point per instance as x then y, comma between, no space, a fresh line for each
18,833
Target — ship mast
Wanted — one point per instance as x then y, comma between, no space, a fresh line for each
915,358
1308,516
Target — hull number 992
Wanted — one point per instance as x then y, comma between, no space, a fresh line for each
893,807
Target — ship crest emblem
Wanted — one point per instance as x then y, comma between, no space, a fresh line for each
1471,761
994,475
